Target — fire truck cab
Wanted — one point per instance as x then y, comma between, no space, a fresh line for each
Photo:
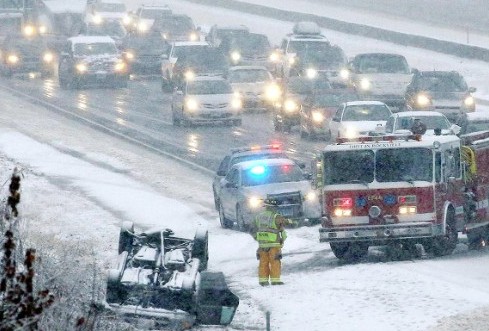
402,191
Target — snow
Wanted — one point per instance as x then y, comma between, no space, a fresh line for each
81,184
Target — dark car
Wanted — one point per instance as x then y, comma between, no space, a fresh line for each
442,91
176,27
143,52
22,54
295,90
91,60
318,108
196,61
251,49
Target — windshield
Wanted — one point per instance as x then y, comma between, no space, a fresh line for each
203,57
366,113
175,24
248,76
110,28
209,87
475,126
384,165
315,52
299,85
87,49
431,122
261,175
333,100
25,46
155,13
382,64
448,83
252,43
226,32
110,7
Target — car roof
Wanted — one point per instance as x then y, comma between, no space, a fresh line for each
190,43
359,103
206,78
91,39
266,162
231,27
420,113
378,55
236,68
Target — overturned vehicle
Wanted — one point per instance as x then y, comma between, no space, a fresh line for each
161,279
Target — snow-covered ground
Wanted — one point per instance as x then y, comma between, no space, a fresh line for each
81,184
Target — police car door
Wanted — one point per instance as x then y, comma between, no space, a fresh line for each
229,192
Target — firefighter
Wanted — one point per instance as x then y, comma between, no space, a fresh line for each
418,127
14,189
268,230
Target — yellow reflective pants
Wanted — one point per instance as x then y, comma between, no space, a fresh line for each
270,265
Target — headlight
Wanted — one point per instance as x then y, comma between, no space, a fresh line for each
255,202
29,30
345,74
126,20
311,196
142,27
317,116
290,106
351,132
12,59
43,29
189,75
81,67
469,101
191,105
274,57
272,92
365,84
120,66
130,56
48,57
236,103
422,100
291,60
311,73
235,56
165,36
193,36
403,210
97,19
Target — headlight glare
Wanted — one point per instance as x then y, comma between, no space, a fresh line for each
273,92
317,116
120,66
48,57
422,100
192,105
311,196
236,103
81,67
351,132
365,84
311,73
345,74
12,59
290,106
193,36
235,56
255,202
469,101
189,75
274,57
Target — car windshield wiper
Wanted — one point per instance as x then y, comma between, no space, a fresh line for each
357,181
408,179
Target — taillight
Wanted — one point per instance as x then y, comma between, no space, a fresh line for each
342,207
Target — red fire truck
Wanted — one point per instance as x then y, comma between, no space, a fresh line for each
401,191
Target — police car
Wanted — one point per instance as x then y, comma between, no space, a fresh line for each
247,184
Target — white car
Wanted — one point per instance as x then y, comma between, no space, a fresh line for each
256,86
107,10
401,123
248,183
205,99
358,118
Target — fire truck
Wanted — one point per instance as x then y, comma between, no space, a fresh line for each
402,191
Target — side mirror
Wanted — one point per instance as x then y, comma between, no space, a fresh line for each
455,129
221,173
472,89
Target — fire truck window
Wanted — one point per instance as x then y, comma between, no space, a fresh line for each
438,167
452,163
394,165
347,167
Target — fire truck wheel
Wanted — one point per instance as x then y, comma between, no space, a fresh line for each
477,239
240,221
200,249
226,223
444,245
357,251
339,249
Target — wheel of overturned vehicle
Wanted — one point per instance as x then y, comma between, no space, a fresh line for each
240,221
126,237
225,222
444,245
200,248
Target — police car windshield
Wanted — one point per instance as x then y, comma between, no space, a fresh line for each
262,175
248,76
209,87
87,49
385,165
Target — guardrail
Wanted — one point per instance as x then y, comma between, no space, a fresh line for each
446,47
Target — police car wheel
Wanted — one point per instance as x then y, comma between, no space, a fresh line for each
242,226
225,222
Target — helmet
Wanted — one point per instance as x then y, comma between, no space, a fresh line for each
270,202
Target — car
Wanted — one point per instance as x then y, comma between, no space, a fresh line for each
91,60
26,54
318,108
381,77
176,27
218,32
473,122
306,52
143,18
248,183
255,85
253,49
205,99
443,91
401,123
162,278
144,52
241,154
106,10
358,118
191,58
112,28
294,90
